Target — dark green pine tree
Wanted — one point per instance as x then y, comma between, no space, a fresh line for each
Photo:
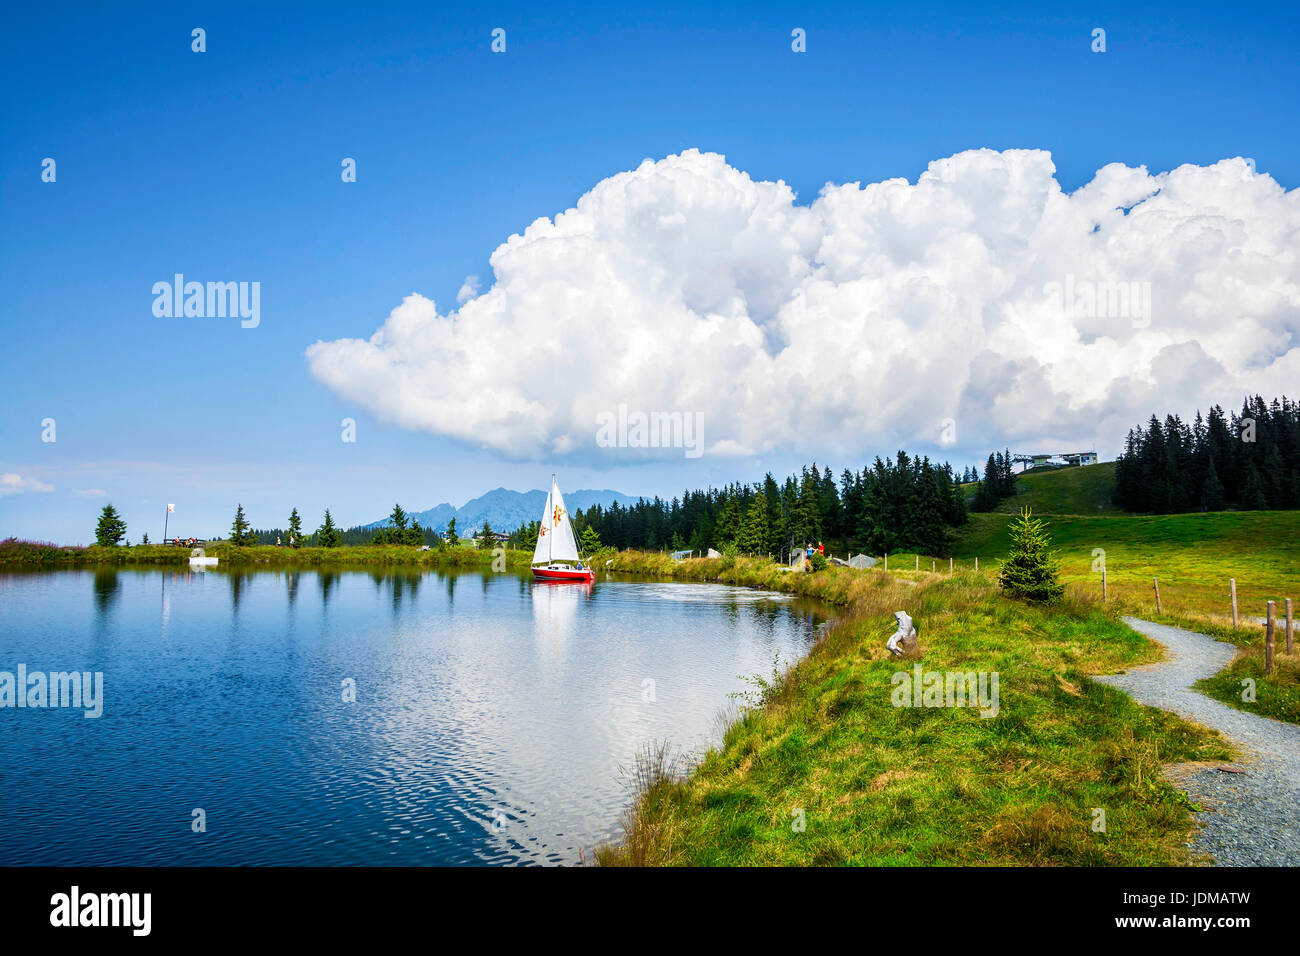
728,524
1273,475
829,505
327,535
986,492
752,536
295,529
808,515
1031,570
395,531
111,529
240,532
1213,491
925,526
450,534
775,520
485,539
1252,490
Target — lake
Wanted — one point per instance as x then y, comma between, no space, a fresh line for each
359,717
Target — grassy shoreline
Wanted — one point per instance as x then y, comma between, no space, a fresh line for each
876,784
28,555
835,585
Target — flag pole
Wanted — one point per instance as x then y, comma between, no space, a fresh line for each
167,513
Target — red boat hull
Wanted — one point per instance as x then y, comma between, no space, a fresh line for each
564,574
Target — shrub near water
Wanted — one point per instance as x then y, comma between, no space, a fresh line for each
16,555
20,555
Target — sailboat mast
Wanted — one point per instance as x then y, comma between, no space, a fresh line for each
550,547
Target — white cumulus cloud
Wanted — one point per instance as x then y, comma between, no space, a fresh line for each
860,322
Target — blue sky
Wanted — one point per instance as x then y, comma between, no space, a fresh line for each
225,165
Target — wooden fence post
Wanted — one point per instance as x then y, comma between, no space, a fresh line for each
932,565
1234,602
1268,641
977,565
886,560
918,562
1288,603
1290,633
1156,582
1103,584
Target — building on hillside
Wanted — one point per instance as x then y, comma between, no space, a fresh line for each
1061,459
1079,457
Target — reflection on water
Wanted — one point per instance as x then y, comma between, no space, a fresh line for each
237,581
327,581
555,613
105,591
398,585
488,726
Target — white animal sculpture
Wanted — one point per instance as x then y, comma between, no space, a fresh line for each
906,633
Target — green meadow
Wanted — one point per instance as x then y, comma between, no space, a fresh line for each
1194,557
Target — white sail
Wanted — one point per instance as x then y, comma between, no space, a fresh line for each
542,553
563,545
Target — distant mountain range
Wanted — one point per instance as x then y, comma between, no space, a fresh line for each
505,510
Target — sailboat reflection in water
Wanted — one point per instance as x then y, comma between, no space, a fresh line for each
556,556
556,609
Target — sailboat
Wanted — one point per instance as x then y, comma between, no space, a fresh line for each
556,556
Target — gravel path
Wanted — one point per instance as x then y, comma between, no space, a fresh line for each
1250,818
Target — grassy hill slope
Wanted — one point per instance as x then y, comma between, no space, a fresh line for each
1193,555
1065,491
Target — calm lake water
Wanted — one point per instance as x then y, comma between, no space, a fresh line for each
491,722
